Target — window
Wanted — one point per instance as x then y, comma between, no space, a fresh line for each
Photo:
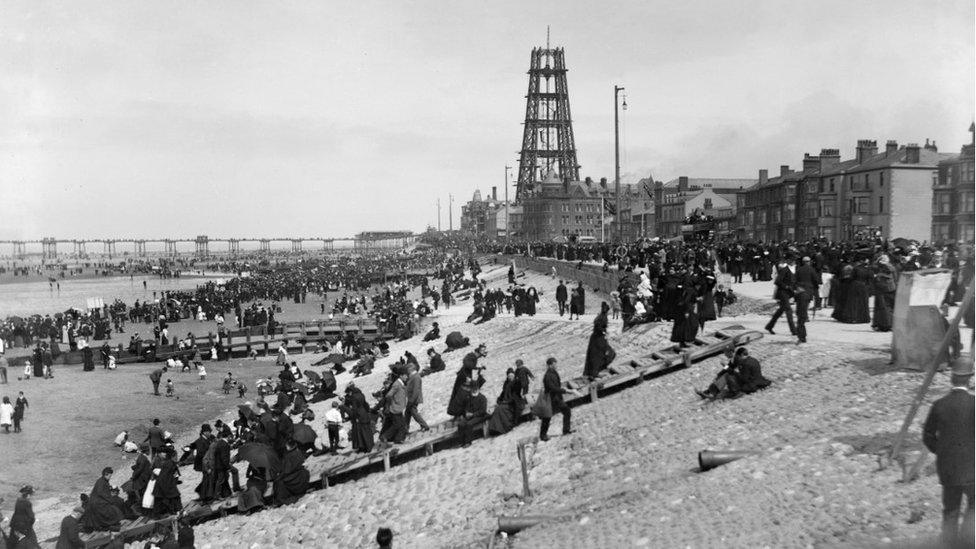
708,203
943,203
832,184
777,215
861,205
826,208
967,204
940,232
880,179
827,232
565,220
790,212
880,204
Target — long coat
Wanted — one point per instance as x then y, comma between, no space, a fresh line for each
599,354
948,433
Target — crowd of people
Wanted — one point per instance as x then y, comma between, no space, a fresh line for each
658,281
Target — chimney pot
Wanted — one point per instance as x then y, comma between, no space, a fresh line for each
912,153
891,147
494,193
784,170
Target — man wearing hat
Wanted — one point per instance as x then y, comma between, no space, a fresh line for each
475,410
948,433
807,284
395,424
69,537
785,288
141,474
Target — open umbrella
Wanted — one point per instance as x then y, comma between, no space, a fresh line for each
334,358
304,434
258,455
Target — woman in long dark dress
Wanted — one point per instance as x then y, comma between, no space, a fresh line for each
355,406
292,483
102,513
843,309
706,309
599,354
510,405
885,278
167,491
686,321
861,293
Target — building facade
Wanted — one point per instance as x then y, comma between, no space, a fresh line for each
877,193
564,209
953,206
676,201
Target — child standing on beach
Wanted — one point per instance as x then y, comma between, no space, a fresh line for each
169,387
228,383
203,372
333,420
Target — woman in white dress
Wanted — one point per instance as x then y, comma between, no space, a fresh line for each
6,414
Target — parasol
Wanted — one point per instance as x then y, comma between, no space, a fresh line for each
258,455
304,434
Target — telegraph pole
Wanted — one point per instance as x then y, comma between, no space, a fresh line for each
508,220
616,156
438,215
450,213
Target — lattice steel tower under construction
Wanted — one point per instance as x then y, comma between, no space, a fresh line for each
547,141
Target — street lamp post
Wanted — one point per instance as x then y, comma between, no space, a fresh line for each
508,220
616,156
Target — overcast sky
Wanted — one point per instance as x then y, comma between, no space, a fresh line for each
151,119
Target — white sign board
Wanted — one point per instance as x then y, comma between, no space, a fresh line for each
929,289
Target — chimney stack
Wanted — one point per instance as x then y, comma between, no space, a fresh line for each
784,170
830,158
494,193
891,147
810,162
866,148
682,183
763,176
912,153
931,147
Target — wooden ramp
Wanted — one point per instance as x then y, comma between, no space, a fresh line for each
327,470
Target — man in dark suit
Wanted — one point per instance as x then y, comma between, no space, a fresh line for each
553,386
748,372
807,283
155,378
785,284
562,294
948,433
155,438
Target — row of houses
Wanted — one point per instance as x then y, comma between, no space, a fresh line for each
910,191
